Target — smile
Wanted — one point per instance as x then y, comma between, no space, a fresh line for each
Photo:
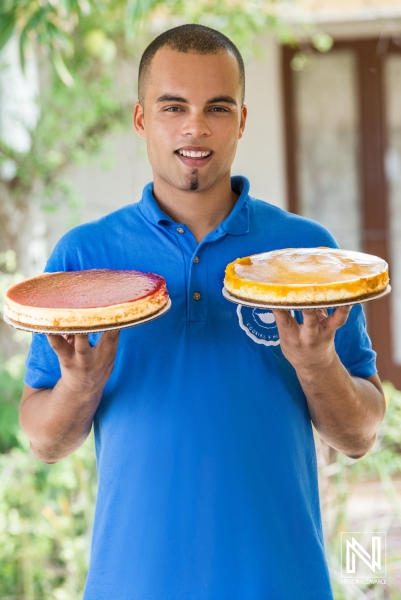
193,154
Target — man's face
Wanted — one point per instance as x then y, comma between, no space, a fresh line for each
192,104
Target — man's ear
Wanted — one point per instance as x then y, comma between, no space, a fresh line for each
138,120
244,114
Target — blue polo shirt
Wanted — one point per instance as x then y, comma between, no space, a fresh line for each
205,454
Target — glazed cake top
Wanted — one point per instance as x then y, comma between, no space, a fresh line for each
308,266
92,288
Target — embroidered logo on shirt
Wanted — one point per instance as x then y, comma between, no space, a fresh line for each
259,324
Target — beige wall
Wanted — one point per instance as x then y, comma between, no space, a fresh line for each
260,154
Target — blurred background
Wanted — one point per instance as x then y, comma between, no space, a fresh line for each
323,139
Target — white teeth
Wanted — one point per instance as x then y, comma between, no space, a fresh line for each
193,154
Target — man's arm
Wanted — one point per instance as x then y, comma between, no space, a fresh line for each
57,421
345,410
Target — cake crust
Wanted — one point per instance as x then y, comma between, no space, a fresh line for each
306,276
85,299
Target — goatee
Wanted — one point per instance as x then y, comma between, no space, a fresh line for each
194,184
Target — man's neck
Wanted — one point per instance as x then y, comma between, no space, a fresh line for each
201,211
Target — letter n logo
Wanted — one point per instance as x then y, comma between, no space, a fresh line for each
364,554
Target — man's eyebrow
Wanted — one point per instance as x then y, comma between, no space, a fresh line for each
228,99
215,100
171,98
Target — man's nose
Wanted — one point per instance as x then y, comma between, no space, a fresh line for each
196,125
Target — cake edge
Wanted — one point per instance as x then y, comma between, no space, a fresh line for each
86,318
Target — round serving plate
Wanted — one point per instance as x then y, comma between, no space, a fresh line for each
99,329
232,298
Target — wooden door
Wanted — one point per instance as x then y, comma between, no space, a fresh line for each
343,160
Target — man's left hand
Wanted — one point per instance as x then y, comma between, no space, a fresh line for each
310,346
345,410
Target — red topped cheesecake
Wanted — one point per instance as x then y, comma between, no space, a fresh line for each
85,299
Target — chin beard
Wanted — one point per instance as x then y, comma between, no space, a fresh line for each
194,183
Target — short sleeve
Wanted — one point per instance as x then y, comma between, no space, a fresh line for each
42,365
354,347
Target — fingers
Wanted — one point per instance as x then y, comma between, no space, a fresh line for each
322,313
108,342
284,319
339,316
66,345
312,318
69,338
60,345
81,345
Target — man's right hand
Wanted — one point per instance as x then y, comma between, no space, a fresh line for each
85,369
57,421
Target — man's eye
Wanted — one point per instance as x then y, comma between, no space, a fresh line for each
172,109
219,109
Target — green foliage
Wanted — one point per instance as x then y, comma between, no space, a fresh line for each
71,128
379,467
11,370
54,25
385,456
46,512
11,386
50,22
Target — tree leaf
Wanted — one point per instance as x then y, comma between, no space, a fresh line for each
7,27
39,17
61,68
136,9
23,45
55,33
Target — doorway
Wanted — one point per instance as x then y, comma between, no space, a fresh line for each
343,162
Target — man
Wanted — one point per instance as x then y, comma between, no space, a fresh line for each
205,453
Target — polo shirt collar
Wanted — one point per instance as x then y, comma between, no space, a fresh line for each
236,223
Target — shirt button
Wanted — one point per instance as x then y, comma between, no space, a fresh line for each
180,230
196,259
196,296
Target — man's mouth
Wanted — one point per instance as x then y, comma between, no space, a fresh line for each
194,157
194,154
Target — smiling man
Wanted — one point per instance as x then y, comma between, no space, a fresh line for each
205,453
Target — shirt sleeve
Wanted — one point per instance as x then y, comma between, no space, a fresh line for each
42,365
354,347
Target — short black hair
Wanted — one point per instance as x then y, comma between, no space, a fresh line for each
189,38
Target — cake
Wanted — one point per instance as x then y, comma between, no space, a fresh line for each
86,299
306,276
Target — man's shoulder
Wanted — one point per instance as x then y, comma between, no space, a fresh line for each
121,218
266,218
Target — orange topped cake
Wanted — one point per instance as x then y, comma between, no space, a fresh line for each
85,299
306,276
